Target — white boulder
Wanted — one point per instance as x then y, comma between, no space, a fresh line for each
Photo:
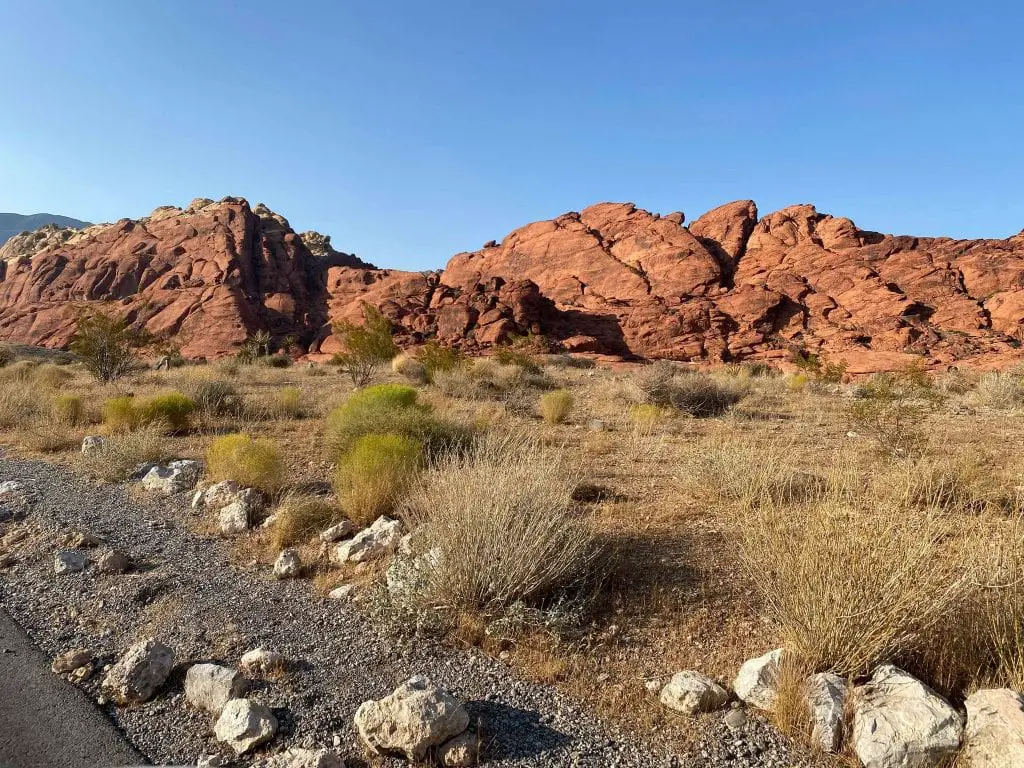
69,561
93,443
344,592
137,675
758,680
175,477
215,496
898,722
995,729
690,693
380,539
288,565
244,725
260,661
411,720
234,518
337,532
210,686
826,702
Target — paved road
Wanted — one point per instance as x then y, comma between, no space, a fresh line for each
44,721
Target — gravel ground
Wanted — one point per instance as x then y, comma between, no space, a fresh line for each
187,593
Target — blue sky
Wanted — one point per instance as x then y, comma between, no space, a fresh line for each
411,130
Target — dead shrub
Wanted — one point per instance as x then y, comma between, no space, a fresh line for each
697,394
300,517
1000,390
122,454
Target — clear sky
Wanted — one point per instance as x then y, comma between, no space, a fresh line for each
413,130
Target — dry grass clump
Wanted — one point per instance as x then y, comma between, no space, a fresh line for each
1000,390
122,454
289,403
69,410
486,379
389,409
956,381
555,406
961,484
850,587
250,463
500,529
697,394
299,517
214,397
373,474
170,411
18,404
410,368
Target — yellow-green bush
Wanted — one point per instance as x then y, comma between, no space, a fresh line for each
555,406
646,416
796,382
250,463
410,368
288,403
374,473
170,410
388,409
69,409
120,414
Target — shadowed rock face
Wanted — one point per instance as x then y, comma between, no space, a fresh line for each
612,279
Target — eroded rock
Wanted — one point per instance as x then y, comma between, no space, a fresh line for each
244,725
139,672
691,693
210,686
995,729
758,680
288,565
175,477
826,702
380,539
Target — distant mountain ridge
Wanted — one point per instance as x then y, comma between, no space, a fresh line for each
12,224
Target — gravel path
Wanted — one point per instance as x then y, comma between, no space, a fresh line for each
186,593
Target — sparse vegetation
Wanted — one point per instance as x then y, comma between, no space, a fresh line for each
299,517
555,406
410,368
891,407
122,454
107,346
696,394
367,346
437,358
1000,390
250,463
69,410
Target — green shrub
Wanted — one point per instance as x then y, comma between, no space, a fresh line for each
367,346
250,463
288,403
374,473
254,347
107,346
439,358
796,382
299,517
279,360
120,414
555,406
891,407
170,410
390,409
69,409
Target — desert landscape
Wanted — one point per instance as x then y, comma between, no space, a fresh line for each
616,490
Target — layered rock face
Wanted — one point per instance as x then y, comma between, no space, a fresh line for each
612,279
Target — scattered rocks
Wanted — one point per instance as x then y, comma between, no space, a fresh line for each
826,701
72,660
93,443
69,561
288,565
244,725
215,496
12,489
175,477
758,680
304,758
114,561
260,661
380,539
81,540
691,692
411,720
898,722
337,532
995,729
139,673
210,686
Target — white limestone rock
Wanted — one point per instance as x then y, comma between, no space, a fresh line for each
244,725
211,686
691,693
826,701
377,541
995,729
139,672
758,680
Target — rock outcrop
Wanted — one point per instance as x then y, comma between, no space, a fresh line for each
611,279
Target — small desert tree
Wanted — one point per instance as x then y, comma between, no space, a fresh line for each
367,346
107,346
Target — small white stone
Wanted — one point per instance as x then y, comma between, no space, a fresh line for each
380,539
691,693
93,443
260,661
288,565
234,518
337,532
344,592
210,686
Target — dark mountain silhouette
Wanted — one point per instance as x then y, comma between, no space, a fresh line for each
13,223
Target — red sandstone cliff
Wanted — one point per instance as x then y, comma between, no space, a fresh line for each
612,279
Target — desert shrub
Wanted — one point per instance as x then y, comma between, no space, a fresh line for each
367,346
437,358
250,463
963,484
890,408
565,360
956,381
288,403
555,406
122,454
279,360
389,409
488,380
107,346
299,517
7,355
852,587
50,375
68,410
215,397
372,475
1000,390
19,371
815,367
697,394
409,367
796,382
121,414
510,355
18,404
499,530
170,410
254,348
646,416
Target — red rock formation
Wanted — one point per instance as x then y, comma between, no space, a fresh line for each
612,279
